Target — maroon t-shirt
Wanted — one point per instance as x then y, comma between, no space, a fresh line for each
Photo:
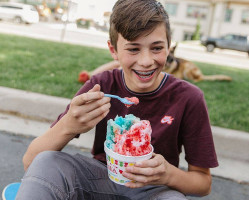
177,113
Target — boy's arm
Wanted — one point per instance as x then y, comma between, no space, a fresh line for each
195,181
85,112
157,171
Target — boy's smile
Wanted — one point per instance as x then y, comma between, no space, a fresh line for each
143,59
145,75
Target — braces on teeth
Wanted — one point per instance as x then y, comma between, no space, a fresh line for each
145,73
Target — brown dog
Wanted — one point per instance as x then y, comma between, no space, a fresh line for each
184,69
178,67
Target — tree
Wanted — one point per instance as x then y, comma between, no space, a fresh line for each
196,35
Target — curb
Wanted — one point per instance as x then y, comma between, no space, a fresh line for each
47,108
231,145
31,105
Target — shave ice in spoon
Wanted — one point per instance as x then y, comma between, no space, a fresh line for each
127,101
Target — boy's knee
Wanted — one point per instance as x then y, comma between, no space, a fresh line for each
48,175
54,168
46,158
170,195
48,164
46,155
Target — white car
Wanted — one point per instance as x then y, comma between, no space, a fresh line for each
18,12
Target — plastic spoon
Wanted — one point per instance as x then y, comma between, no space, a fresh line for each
123,100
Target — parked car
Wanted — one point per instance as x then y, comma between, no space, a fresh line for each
229,41
18,12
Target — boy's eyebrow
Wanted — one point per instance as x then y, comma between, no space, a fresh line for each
133,44
158,42
137,44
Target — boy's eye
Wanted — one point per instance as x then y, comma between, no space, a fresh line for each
133,50
157,48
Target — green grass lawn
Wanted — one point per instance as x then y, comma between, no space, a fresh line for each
52,68
45,67
228,102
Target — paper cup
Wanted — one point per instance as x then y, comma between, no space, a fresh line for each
116,164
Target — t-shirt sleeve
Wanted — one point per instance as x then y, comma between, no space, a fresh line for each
197,135
85,88
104,79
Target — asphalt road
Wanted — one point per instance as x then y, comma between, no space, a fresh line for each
12,148
54,32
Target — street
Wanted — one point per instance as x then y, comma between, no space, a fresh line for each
13,147
53,32
187,50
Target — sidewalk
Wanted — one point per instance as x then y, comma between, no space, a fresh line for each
31,114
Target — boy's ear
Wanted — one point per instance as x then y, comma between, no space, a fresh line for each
112,50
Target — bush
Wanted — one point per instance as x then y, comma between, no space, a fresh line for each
196,35
83,23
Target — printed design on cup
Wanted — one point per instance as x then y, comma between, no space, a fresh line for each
116,168
119,163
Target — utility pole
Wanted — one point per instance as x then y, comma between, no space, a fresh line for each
63,31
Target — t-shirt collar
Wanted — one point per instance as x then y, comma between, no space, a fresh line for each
165,78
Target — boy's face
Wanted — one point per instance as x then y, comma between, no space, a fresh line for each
143,59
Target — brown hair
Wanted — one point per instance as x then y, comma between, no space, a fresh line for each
133,18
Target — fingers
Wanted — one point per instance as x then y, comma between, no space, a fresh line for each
155,161
90,113
92,105
87,110
87,97
78,121
156,165
141,180
146,172
95,88
96,120
93,110
91,95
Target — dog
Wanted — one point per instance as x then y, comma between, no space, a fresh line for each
184,69
178,67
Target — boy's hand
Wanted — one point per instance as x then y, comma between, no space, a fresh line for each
86,110
154,171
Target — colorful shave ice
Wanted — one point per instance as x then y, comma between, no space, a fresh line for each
135,100
129,136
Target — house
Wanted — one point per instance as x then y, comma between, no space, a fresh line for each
216,17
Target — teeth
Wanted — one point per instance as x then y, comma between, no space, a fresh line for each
144,73
143,76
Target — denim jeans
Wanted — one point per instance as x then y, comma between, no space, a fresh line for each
58,175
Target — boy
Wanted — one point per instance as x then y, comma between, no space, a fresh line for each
140,41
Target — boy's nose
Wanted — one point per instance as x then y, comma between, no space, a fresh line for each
145,59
